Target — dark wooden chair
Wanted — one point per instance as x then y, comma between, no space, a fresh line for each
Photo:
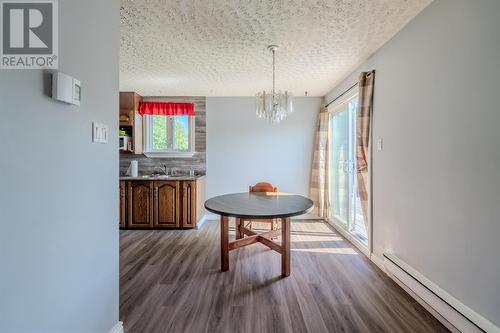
262,187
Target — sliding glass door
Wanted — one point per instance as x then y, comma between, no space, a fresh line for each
340,160
346,205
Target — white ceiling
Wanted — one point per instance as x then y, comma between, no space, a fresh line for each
218,47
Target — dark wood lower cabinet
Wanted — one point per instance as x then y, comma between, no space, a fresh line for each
189,204
123,204
140,204
161,204
166,204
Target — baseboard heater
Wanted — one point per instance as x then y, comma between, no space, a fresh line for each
451,312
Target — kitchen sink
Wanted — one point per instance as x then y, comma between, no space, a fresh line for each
165,176
162,177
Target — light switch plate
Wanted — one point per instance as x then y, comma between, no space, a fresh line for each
99,133
380,144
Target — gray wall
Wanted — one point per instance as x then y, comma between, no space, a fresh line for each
197,162
436,185
58,190
243,150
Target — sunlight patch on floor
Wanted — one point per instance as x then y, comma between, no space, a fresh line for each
317,238
331,250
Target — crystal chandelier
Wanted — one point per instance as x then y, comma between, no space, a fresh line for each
274,106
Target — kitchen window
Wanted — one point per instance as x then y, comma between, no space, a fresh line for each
167,136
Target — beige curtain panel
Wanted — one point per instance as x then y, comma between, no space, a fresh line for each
364,120
320,175
320,190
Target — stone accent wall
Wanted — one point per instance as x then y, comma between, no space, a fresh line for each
197,162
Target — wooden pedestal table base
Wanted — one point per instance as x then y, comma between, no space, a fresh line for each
254,237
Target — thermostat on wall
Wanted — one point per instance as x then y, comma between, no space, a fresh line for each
66,88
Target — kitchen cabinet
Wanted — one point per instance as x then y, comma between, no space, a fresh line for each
189,204
166,204
129,100
140,204
161,204
123,204
130,120
129,105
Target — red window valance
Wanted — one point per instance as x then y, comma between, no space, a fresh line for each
166,109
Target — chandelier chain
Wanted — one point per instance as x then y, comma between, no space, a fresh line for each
274,71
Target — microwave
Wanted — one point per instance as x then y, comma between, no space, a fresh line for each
125,142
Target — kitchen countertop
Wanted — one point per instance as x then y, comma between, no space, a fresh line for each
186,177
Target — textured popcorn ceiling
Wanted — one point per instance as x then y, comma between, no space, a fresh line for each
218,47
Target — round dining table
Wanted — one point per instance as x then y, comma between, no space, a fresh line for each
254,207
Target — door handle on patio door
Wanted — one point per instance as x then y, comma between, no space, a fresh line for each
348,166
351,164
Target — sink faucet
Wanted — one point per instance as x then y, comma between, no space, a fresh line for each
163,168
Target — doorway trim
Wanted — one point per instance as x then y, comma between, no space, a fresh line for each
341,230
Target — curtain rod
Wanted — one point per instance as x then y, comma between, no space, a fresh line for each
345,92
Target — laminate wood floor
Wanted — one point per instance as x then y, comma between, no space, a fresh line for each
170,282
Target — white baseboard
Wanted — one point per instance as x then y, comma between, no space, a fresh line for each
118,328
456,316
202,221
205,218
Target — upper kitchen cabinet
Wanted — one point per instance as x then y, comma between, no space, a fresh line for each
129,104
129,100
131,138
